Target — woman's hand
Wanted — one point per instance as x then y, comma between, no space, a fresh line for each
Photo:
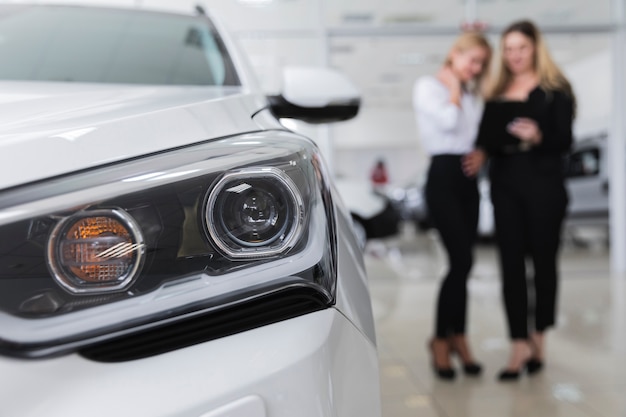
527,130
448,78
452,83
473,162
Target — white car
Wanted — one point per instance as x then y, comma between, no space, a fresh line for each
168,248
587,181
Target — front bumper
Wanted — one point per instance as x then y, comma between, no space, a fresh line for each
314,365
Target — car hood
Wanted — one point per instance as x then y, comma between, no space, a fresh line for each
49,129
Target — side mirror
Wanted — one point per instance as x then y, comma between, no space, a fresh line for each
315,95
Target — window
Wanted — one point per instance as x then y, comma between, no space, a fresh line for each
584,163
74,44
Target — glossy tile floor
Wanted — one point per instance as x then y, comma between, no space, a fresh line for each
586,353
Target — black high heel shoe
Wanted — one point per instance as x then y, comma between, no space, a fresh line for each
469,368
472,369
530,366
507,375
513,375
446,374
533,366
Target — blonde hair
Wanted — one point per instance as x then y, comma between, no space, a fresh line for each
551,78
465,42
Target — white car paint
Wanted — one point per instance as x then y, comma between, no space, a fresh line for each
79,124
302,86
317,353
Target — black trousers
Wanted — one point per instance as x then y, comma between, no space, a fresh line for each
529,207
452,200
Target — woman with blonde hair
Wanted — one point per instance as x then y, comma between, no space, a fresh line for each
448,108
527,188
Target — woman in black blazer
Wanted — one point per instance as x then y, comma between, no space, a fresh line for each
527,188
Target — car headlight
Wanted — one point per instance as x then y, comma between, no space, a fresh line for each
254,213
95,251
233,234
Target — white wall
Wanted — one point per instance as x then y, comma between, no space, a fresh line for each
379,132
592,82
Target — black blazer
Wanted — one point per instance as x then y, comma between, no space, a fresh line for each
554,113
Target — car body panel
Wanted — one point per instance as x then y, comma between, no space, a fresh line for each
84,126
588,182
353,297
266,363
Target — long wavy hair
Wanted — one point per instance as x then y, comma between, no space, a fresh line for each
551,77
467,41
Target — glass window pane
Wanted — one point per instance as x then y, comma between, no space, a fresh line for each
110,46
584,163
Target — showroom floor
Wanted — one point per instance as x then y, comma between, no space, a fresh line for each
586,356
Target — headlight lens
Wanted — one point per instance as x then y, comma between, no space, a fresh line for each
90,256
254,213
96,251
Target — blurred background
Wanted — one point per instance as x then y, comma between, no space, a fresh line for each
385,45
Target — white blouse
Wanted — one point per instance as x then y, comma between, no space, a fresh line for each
444,127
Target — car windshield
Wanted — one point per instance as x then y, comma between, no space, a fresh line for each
76,44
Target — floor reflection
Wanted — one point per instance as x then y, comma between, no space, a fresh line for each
586,362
